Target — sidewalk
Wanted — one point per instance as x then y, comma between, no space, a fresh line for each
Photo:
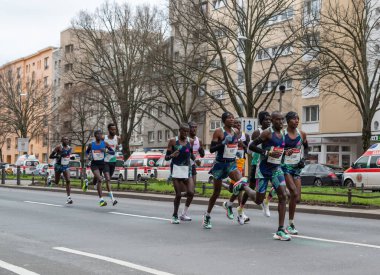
366,213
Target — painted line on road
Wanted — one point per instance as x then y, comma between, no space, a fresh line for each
115,261
16,269
334,241
139,216
43,203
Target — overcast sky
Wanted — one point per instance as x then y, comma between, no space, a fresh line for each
27,26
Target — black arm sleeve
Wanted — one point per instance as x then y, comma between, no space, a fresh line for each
201,152
254,146
53,155
168,155
306,148
215,146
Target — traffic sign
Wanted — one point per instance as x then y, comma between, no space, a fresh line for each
22,144
248,125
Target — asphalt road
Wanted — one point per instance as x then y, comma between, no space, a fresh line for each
136,237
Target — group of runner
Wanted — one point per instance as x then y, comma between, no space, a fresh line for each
276,157
100,153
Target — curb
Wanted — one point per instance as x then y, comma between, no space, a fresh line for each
321,210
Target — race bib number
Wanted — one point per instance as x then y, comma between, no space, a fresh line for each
230,151
98,154
180,172
294,158
276,160
65,161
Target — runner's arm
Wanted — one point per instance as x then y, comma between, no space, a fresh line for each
54,153
88,149
168,155
254,146
201,150
110,150
216,142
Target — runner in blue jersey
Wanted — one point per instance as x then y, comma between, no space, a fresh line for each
272,149
96,151
61,167
295,140
179,151
225,144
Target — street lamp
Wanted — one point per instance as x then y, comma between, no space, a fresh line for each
282,91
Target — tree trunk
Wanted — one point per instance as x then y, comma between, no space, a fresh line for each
366,135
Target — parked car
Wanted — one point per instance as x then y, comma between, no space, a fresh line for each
119,170
365,171
321,175
145,163
27,163
41,169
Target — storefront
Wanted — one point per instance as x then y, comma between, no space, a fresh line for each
339,151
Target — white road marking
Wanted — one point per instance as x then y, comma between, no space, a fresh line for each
140,216
16,269
334,241
43,203
115,261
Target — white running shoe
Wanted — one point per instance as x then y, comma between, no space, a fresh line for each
265,207
185,218
69,201
246,218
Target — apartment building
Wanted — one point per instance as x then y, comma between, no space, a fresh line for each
333,126
38,68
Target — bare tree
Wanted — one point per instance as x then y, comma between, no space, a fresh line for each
114,44
24,106
249,51
83,117
4,134
345,45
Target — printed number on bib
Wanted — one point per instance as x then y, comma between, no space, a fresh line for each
276,160
230,151
98,154
294,158
65,161
180,172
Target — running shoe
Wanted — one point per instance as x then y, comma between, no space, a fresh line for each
206,222
102,203
239,186
281,236
265,207
114,202
240,216
69,201
185,218
85,186
175,219
229,212
291,229
246,218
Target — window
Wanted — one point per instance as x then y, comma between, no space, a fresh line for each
176,56
167,109
346,148
203,7
311,114
45,140
219,33
274,52
46,63
68,86
160,111
159,135
18,72
201,89
311,42
311,11
46,82
362,162
9,143
332,148
218,94
214,124
167,134
150,136
175,132
311,78
375,162
69,48
218,4
240,79
68,67
285,15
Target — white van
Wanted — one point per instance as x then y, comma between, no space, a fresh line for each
365,171
27,163
144,162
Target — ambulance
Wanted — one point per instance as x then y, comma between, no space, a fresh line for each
143,163
365,172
